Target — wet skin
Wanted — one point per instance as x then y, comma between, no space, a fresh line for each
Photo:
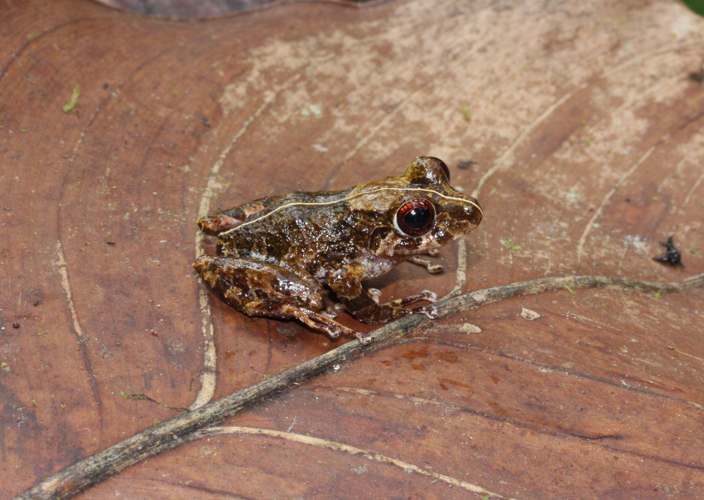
278,257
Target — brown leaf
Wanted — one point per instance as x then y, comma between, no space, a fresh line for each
585,138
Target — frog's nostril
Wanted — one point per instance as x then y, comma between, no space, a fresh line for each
473,212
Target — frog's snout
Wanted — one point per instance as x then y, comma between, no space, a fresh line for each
474,211
469,210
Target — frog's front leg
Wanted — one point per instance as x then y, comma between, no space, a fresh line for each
432,268
262,289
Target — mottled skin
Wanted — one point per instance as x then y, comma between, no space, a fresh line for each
276,256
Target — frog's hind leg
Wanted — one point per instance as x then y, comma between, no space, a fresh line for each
322,323
259,288
263,289
368,309
312,319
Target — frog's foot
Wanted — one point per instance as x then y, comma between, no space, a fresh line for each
367,309
364,338
322,323
424,296
432,268
430,311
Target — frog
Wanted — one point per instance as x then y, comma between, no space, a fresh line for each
291,256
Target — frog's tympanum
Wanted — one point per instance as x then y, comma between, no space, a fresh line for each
278,256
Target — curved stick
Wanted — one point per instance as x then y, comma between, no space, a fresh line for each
184,427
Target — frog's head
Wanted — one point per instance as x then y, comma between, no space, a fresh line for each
423,211
432,213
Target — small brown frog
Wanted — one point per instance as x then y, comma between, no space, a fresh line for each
276,256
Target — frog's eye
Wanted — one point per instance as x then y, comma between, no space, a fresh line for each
415,217
443,166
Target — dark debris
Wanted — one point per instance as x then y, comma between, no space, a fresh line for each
672,256
697,76
464,165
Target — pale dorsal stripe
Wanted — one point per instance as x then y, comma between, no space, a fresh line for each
351,197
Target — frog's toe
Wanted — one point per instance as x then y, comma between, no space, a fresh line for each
322,323
429,296
375,294
329,312
430,311
435,268
364,338
432,268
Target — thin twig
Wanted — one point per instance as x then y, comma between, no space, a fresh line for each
184,427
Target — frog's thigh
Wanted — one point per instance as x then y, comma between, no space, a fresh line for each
259,288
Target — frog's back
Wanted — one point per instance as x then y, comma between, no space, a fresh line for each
297,230
261,208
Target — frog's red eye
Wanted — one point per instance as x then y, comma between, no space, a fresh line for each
443,166
415,217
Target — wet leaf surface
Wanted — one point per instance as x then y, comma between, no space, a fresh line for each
584,148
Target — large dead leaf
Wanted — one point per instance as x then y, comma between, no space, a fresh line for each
581,125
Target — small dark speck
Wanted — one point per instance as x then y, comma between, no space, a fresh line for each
105,86
15,325
697,76
36,303
204,121
672,256
7,209
110,242
627,200
464,165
